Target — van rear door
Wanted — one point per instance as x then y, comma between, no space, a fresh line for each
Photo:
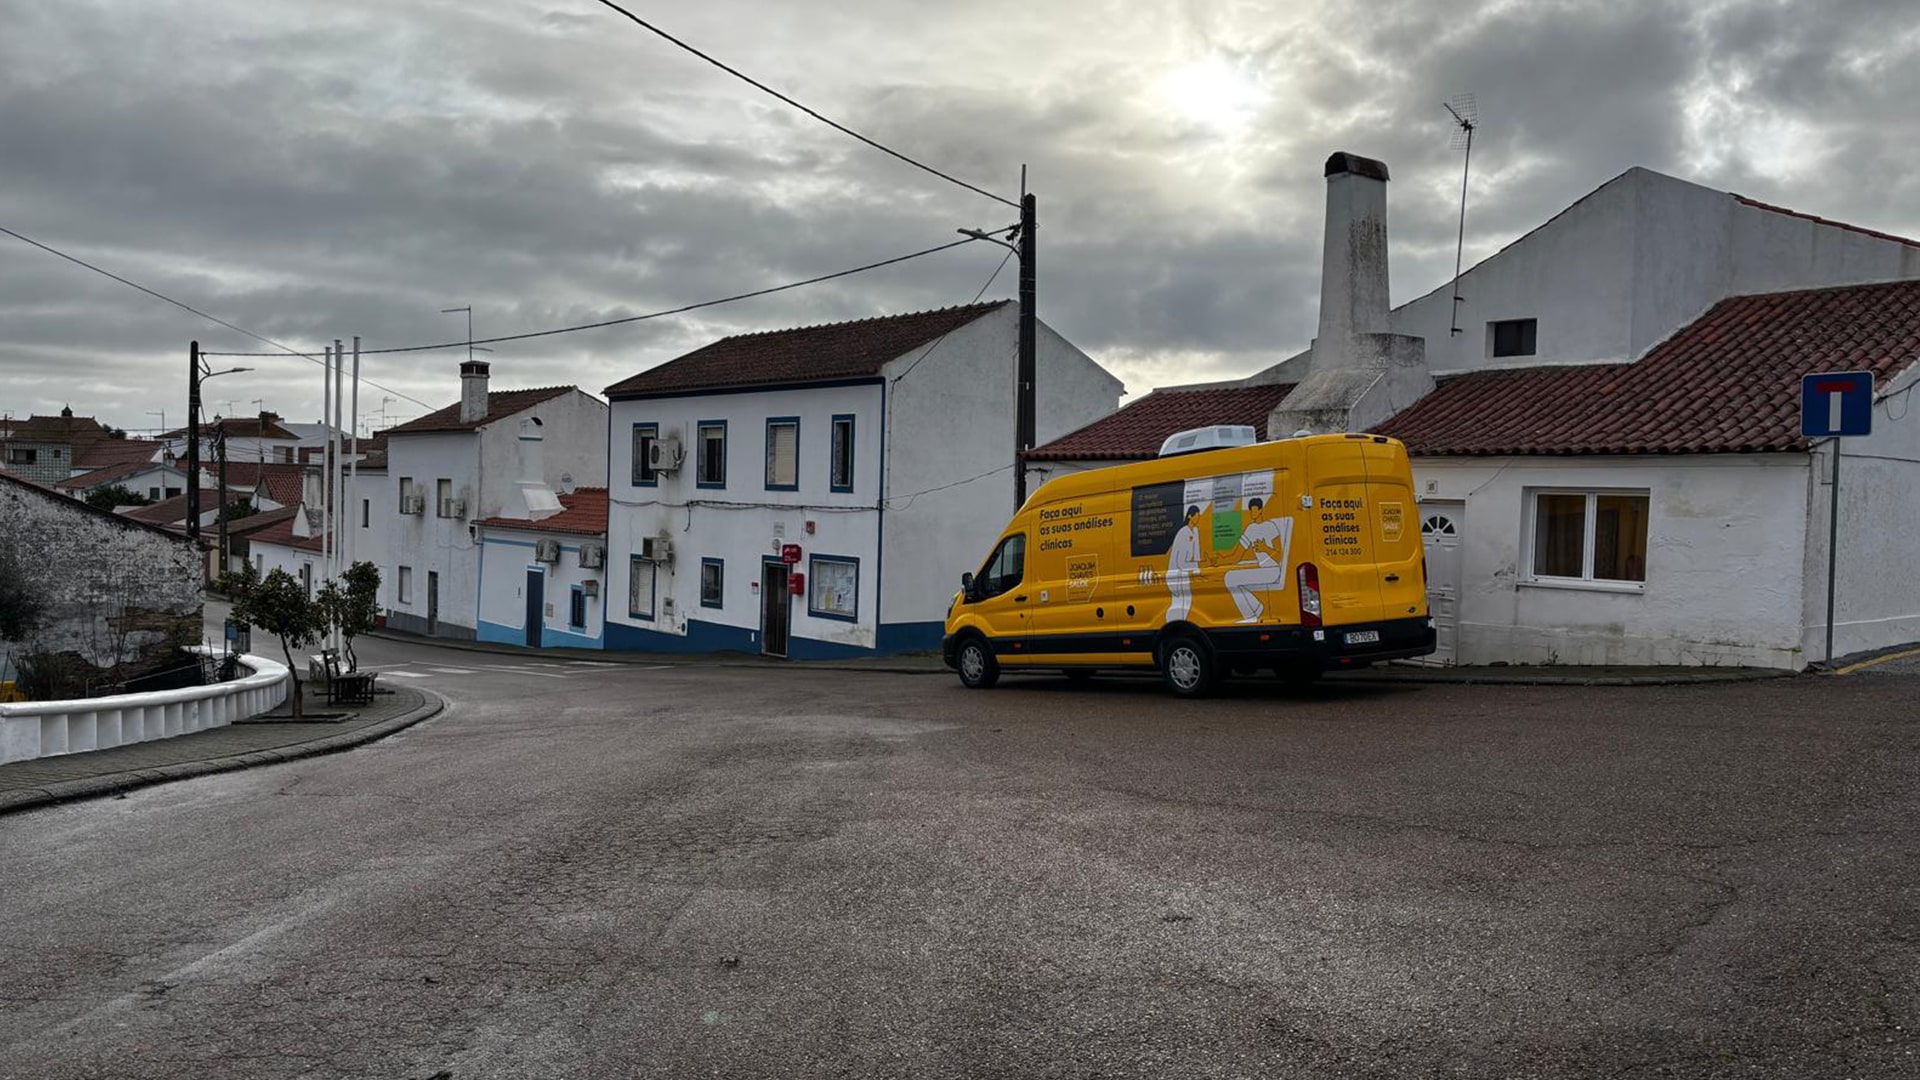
1394,519
1342,540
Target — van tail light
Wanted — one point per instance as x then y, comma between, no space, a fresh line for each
1309,595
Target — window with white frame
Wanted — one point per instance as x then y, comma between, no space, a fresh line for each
640,587
840,458
711,463
403,587
834,589
1589,536
783,453
713,574
406,491
443,497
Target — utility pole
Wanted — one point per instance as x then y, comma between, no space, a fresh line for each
1029,318
220,449
193,440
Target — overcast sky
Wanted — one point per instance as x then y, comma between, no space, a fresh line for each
311,170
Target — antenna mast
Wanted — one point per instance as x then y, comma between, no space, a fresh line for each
1465,117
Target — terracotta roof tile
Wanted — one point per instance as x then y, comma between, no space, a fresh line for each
112,474
1138,430
807,354
253,522
101,453
1728,382
281,533
500,404
583,513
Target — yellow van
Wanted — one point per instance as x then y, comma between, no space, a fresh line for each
1296,555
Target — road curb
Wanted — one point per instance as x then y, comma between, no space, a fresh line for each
89,787
1544,679
654,659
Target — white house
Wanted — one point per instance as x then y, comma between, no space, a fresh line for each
540,580
1608,448
449,469
817,492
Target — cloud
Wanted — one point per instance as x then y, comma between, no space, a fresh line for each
318,171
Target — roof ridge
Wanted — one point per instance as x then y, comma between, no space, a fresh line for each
983,305
1818,220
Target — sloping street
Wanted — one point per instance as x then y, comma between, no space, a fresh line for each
636,870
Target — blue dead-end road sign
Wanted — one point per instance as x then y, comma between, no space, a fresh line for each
1836,403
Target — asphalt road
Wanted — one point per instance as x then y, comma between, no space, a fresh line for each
629,871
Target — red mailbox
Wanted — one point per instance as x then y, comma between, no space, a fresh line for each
790,554
797,583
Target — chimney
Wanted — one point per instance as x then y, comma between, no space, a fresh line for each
1353,260
539,498
1359,373
473,391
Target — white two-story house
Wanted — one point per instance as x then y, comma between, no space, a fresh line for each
447,470
817,492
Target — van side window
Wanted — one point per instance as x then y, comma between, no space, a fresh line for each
1005,569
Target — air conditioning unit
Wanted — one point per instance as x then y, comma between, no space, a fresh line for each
656,549
593,556
663,455
413,504
590,588
457,508
546,551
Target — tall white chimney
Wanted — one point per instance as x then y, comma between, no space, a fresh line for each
538,498
1353,260
473,391
1359,372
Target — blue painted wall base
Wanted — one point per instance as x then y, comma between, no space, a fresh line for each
705,637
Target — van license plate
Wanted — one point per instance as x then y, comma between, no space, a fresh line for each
1363,637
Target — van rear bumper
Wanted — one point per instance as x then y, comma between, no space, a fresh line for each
1332,647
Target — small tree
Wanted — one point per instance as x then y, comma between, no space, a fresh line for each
351,604
21,605
279,605
113,495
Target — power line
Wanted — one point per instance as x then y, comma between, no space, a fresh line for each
837,127
463,343
196,311
943,337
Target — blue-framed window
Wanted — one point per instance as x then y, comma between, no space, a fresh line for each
577,609
783,453
710,455
644,436
840,454
641,579
833,587
713,582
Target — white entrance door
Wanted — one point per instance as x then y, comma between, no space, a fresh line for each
1440,527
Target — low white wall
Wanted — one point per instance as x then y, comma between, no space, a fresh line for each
37,729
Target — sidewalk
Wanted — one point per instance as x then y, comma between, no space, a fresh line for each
264,741
930,664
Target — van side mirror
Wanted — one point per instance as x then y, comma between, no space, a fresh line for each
966,583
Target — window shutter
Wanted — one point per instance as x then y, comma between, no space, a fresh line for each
782,453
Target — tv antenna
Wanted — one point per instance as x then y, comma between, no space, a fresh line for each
1466,117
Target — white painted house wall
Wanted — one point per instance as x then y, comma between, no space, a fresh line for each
737,523
369,541
1712,520
948,425
1877,592
951,420
507,555
484,468
1624,268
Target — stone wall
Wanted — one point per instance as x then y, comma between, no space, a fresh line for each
117,595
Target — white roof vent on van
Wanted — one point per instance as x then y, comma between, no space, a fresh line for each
1208,438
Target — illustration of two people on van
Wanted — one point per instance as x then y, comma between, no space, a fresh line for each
1259,560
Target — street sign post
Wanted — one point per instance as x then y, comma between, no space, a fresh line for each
1835,405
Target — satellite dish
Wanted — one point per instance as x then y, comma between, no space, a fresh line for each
566,483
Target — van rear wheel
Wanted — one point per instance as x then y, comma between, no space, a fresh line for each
1187,667
978,669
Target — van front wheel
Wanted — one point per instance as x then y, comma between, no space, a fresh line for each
1187,667
978,669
